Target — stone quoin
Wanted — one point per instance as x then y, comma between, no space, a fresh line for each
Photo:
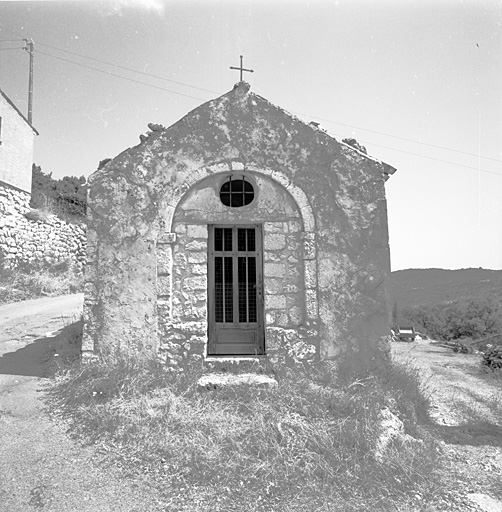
240,231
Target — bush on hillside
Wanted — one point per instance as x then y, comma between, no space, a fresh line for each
471,318
492,357
66,198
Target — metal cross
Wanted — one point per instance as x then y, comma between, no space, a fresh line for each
241,69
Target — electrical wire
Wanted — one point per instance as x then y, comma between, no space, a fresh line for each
120,76
297,113
201,99
340,137
432,158
128,69
209,90
397,137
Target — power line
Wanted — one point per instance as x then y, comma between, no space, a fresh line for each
431,158
4,49
423,156
120,76
200,99
314,117
297,113
400,138
128,69
11,40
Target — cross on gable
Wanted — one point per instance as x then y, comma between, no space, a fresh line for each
241,69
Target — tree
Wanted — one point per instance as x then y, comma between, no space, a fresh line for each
66,197
468,318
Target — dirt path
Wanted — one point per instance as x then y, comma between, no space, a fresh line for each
40,467
468,416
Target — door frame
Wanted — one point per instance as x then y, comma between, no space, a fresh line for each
215,348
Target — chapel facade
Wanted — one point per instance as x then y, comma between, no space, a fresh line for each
238,232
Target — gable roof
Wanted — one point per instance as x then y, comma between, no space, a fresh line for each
241,94
9,101
240,125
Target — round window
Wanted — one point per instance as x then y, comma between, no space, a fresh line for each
236,192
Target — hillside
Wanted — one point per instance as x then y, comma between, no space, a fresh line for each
414,287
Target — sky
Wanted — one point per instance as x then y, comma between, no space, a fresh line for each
418,83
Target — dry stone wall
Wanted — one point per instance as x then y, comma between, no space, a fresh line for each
27,240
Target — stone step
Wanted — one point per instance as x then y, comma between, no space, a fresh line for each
229,364
215,381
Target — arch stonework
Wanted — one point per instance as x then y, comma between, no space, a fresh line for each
168,238
296,192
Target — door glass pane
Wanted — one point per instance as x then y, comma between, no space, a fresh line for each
228,239
252,289
218,289
251,239
242,270
218,239
241,239
228,290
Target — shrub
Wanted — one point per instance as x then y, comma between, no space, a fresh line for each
492,357
37,215
32,280
66,197
471,318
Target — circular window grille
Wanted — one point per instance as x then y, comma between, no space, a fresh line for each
236,192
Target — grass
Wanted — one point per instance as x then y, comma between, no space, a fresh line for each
309,443
42,280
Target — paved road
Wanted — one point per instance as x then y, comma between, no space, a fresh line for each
26,332
41,468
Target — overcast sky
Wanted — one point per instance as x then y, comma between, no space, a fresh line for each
419,83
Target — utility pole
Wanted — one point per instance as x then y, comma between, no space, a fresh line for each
29,48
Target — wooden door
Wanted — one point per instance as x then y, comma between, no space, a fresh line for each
235,290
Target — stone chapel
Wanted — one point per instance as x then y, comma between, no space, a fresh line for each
239,232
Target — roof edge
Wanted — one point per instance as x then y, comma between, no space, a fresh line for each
11,103
387,168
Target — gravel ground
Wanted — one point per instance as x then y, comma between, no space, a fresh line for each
468,418
41,468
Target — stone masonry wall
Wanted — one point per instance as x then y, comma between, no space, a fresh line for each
283,271
173,177
183,330
287,333
182,265
183,334
23,240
